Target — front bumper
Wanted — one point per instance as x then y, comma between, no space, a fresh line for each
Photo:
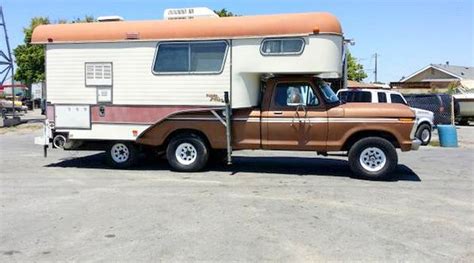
415,144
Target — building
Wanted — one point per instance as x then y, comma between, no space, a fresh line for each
439,78
351,84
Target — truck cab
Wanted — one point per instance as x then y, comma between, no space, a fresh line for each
297,113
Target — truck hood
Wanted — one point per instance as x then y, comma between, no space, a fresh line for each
423,113
371,110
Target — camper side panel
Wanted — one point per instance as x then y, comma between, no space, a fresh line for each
321,54
133,82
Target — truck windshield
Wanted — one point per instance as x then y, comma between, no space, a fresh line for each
326,90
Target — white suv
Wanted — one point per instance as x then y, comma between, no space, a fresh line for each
424,118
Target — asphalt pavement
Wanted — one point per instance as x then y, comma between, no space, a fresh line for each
268,206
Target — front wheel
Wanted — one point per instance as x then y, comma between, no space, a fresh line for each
187,153
373,158
423,133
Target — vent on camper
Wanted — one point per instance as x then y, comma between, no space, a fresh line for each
109,18
188,13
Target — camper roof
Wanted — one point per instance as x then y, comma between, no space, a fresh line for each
205,28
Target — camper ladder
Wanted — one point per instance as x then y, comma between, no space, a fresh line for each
227,124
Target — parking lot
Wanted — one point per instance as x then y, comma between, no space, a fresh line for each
268,206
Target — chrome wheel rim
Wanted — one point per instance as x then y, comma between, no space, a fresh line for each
120,153
186,153
372,159
425,135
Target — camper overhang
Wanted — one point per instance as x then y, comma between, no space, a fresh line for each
205,28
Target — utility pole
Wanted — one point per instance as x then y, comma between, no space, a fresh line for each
375,69
7,61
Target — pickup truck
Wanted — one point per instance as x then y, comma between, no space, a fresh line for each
297,113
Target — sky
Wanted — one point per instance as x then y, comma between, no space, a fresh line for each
407,35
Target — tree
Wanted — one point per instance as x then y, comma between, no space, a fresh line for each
224,13
30,58
355,71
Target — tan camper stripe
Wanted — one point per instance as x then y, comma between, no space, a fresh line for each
290,120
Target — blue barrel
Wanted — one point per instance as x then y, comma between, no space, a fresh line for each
448,136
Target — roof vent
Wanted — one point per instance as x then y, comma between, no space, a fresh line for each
188,13
109,18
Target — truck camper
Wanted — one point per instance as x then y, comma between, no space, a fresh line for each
196,87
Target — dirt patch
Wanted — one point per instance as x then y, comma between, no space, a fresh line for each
22,128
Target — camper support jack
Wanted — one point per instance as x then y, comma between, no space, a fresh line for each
226,123
228,129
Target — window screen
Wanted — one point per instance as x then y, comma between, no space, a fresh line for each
382,97
284,46
190,57
207,57
98,74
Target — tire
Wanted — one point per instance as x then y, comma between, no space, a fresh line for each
463,122
121,155
187,153
423,133
365,155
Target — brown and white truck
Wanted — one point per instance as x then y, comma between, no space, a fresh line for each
199,89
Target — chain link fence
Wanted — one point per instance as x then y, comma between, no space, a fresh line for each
440,104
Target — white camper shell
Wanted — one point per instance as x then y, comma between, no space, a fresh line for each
113,80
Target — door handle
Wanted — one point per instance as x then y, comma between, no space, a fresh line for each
277,113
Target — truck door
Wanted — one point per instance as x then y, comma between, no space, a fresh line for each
295,117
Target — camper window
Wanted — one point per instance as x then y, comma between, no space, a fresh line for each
282,46
190,57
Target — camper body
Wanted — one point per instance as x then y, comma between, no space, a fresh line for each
195,87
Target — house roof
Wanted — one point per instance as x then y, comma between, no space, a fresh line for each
204,28
351,84
457,72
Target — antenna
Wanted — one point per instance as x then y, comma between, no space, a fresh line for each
6,61
375,69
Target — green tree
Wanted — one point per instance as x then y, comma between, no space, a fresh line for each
224,13
30,58
355,70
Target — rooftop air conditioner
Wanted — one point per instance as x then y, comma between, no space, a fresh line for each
188,13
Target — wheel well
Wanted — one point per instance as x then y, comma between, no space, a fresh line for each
187,131
364,134
424,122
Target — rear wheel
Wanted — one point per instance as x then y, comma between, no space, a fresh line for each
121,154
373,158
187,153
423,133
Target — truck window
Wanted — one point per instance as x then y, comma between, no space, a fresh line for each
327,91
355,96
382,97
397,99
294,94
